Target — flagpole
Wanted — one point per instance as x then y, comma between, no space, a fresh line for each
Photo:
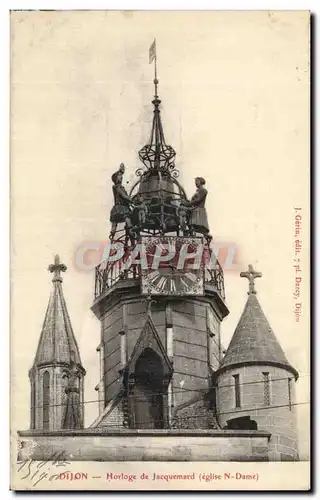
155,81
156,103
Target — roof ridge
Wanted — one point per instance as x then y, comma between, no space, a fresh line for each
42,328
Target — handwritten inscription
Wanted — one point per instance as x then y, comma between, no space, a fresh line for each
36,471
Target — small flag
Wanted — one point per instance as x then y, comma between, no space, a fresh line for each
152,51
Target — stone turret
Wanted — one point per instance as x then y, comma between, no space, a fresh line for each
56,360
255,381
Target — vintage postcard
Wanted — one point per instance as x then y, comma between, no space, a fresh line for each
160,214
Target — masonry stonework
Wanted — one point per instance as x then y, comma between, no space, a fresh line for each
172,445
196,350
278,417
199,414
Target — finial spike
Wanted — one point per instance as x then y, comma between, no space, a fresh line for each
251,275
57,268
157,155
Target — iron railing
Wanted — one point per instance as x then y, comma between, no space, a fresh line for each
107,274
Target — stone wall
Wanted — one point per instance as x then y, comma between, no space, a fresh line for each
111,325
115,417
160,445
196,345
278,417
197,415
193,349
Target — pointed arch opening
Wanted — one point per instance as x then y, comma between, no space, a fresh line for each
46,400
148,392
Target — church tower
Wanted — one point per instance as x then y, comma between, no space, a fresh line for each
255,382
57,374
160,300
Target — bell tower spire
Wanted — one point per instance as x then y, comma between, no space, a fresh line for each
56,360
157,155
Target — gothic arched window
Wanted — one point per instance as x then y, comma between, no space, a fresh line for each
147,393
46,399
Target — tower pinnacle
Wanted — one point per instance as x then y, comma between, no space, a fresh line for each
57,355
57,268
251,275
156,155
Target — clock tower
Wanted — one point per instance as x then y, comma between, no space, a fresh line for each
160,299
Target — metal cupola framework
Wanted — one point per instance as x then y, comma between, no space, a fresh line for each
157,154
161,199
157,185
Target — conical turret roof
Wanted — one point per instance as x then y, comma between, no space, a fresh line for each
57,342
254,341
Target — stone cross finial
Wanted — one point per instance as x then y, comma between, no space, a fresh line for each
57,268
251,275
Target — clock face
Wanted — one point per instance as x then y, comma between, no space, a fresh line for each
169,270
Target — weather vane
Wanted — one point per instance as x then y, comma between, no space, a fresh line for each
153,57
